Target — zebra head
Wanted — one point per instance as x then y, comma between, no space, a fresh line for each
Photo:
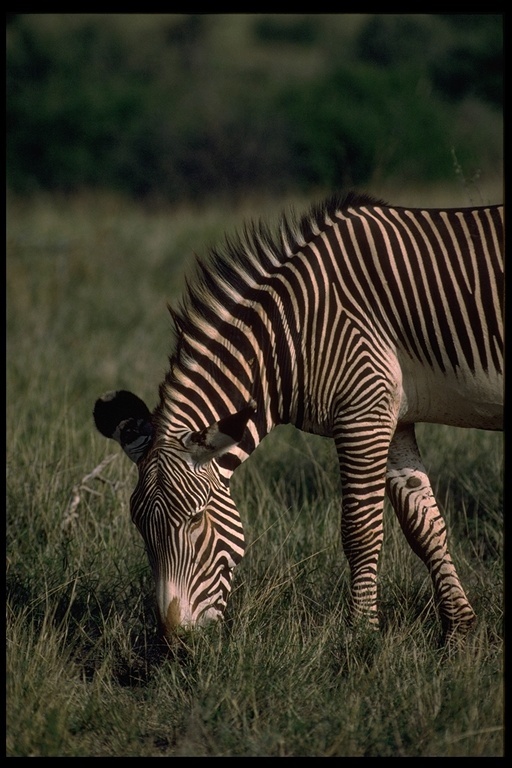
181,506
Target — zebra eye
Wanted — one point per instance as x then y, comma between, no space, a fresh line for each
197,516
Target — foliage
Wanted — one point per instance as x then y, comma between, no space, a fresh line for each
473,62
190,106
337,125
87,282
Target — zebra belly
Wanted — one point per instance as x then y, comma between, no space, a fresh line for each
459,400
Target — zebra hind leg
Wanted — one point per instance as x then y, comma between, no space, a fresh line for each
411,495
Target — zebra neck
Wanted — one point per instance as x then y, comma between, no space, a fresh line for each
202,390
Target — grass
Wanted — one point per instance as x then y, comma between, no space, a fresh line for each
87,283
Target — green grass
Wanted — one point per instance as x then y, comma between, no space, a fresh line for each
87,283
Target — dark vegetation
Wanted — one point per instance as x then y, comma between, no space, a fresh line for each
188,106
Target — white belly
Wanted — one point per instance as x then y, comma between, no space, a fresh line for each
461,400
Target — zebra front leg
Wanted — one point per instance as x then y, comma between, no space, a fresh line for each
411,495
361,536
363,487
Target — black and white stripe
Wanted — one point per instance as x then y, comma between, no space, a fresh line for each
358,321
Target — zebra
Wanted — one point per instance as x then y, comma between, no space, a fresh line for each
355,321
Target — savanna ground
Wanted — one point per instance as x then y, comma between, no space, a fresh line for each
88,278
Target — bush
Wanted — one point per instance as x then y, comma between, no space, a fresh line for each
365,122
171,112
472,65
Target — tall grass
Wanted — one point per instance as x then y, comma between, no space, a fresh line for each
87,283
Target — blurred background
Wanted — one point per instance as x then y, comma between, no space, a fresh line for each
187,107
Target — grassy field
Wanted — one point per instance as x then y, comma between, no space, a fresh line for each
87,283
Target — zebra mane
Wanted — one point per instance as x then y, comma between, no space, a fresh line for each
256,250
320,214
244,261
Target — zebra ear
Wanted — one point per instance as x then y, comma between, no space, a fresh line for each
220,437
125,418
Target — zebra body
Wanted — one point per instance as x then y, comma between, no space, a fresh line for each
362,320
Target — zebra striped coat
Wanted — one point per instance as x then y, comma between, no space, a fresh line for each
356,322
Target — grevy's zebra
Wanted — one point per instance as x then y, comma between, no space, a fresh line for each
361,321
